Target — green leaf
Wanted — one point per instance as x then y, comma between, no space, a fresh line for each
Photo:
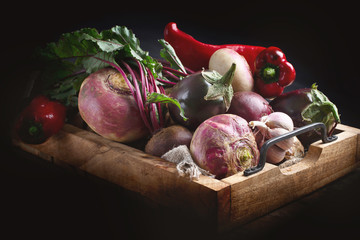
98,61
87,51
70,45
169,54
162,98
107,45
126,36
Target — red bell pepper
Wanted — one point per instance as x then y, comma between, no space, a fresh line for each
272,72
40,120
196,55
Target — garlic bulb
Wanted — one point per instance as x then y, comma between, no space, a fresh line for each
270,126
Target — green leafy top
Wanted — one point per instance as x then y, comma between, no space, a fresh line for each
168,53
162,98
68,61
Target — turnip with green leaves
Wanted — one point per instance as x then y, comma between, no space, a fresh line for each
108,107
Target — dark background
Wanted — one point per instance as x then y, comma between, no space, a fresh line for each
42,200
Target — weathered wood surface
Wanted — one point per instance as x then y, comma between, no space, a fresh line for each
225,203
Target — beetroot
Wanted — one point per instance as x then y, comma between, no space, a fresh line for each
224,145
249,105
108,107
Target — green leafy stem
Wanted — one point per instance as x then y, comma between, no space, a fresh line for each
67,62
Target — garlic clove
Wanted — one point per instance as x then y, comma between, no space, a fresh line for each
279,120
275,154
284,144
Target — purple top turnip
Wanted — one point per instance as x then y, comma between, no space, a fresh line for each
224,145
108,107
249,105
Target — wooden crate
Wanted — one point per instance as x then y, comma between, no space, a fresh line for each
223,203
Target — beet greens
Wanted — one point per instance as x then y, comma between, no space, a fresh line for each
67,62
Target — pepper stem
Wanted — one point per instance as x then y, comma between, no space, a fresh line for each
33,130
269,73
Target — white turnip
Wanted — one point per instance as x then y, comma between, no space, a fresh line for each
224,145
108,107
222,59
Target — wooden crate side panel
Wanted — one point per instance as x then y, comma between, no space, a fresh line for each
353,130
270,189
136,171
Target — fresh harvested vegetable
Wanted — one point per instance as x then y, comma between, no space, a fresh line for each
274,125
196,55
201,96
40,120
78,54
167,139
224,145
108,107
272,72
249,105
221,61
67,62
305,106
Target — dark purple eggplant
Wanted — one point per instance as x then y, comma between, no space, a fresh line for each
202,95
305,106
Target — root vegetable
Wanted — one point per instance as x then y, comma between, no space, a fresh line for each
224,145
249,105
221,61
167,139
274,125
107,106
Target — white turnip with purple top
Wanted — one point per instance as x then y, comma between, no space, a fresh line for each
224,145
108,107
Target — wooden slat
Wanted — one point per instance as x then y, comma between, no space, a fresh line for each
224,203
272,187
136,171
